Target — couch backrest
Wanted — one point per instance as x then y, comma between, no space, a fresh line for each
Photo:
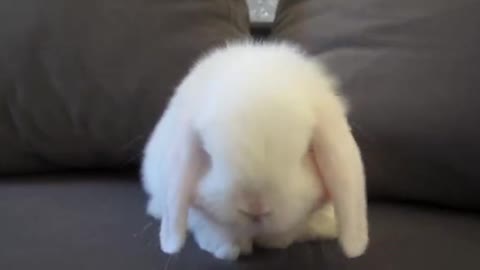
410,70
82,82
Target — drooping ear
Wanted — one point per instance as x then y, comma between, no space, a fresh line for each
338,158
180,167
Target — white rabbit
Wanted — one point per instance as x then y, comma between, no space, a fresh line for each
246,150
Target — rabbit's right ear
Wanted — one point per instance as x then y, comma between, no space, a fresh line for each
339,160
179,165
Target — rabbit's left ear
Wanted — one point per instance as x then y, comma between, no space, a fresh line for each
182,163
338,158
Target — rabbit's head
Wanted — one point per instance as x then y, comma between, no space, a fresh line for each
256,136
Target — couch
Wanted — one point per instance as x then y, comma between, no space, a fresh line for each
82,82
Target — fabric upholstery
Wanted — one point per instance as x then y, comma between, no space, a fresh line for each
83,82
97,221
409,69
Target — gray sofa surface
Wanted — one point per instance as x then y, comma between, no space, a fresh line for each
97,221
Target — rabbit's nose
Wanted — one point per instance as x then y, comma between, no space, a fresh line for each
255,210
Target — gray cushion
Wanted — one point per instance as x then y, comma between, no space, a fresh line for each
97,221
83,81
410,69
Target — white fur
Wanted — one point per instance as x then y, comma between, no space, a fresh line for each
240,126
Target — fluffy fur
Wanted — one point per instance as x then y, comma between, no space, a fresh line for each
245,151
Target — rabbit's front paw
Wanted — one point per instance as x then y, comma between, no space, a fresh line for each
322,225
221,247
246,246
